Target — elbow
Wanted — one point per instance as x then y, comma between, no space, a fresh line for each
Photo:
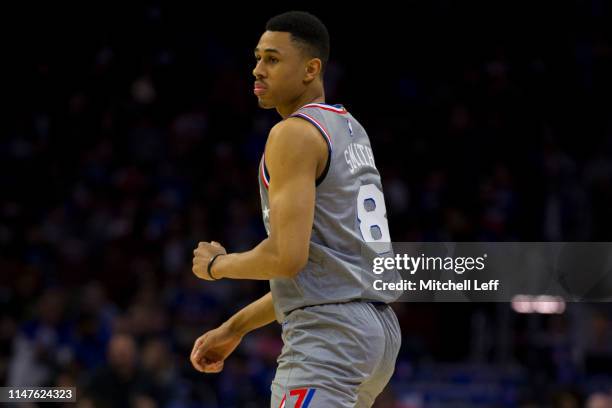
292,265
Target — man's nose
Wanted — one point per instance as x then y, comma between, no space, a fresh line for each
258,71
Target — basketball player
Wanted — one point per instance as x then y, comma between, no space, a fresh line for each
324,212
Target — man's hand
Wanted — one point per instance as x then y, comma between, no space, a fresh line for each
202,255
212,348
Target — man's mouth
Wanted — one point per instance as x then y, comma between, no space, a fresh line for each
259,89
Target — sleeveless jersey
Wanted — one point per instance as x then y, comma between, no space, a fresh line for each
350,222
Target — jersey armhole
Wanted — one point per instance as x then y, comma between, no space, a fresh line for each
321,130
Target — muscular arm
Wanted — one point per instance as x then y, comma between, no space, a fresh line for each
253,316
295,154
212,348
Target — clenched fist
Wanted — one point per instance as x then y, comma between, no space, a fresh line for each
202,255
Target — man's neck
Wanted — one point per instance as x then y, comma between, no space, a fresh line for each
286,111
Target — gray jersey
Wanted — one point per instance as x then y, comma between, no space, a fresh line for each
350,222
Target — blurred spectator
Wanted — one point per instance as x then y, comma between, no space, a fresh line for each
121,382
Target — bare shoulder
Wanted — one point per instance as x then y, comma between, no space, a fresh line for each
298,135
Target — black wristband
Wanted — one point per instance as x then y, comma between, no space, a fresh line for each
210,263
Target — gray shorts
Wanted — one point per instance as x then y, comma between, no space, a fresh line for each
336,355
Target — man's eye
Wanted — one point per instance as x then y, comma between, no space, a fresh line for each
274,60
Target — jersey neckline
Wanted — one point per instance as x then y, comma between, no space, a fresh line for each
337,108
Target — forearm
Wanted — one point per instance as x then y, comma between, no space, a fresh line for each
260,263
253,316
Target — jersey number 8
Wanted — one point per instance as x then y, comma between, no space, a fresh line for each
372,216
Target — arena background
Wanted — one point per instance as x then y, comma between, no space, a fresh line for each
130,133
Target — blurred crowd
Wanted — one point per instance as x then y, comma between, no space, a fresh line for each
131,139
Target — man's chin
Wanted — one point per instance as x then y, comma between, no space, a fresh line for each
262,104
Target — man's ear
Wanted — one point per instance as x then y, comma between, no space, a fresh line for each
313,69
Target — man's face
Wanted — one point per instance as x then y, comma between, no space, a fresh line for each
122,353
279,71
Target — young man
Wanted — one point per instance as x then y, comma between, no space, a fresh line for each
324,211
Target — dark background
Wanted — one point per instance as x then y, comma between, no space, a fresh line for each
131,133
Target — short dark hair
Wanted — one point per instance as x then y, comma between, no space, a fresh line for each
306,30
